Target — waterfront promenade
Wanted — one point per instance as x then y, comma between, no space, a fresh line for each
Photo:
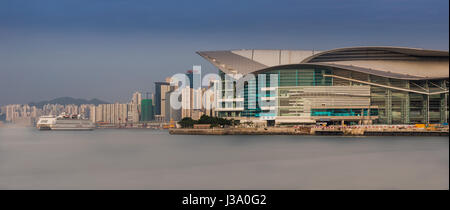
372,130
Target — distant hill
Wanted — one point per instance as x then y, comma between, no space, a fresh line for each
68,100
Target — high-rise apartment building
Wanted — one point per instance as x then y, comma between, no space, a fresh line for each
171,114
160,93
137,98
147,113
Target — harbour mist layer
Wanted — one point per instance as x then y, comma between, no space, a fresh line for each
153,159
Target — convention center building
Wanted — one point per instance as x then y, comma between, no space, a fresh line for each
354,85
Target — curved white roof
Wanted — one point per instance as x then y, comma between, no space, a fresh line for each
394,62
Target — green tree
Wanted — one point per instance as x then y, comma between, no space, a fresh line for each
205,119
187,122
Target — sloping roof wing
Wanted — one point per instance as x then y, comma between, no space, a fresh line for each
392,62
232,63
379,53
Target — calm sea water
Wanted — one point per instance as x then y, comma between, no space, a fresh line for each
149,159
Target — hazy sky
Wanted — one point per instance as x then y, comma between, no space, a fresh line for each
107,49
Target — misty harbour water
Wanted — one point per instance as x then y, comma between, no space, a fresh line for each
154,159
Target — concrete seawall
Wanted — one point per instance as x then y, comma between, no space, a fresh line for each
240,131
405,133
304,131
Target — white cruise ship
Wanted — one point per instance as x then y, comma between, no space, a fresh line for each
64,122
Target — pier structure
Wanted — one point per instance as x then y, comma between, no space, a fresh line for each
372,130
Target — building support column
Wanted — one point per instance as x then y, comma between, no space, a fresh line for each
350,82
443,108
444,103
407,106
426,106
322,82
388,103
370,99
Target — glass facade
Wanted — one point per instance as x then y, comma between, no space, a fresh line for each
251,95
304,88
301,77
147,112
343,112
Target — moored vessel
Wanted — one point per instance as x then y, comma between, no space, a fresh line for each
64,122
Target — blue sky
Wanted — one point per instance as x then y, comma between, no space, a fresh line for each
107,49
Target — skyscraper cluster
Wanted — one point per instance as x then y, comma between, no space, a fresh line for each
189,94
160,107
118,113
27,115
